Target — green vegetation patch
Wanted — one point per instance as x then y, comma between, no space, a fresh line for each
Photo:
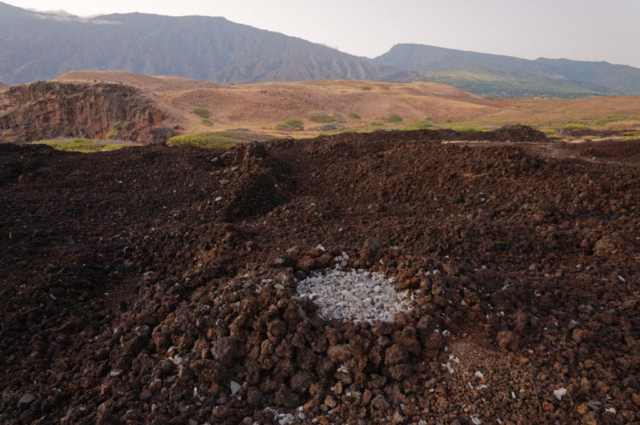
321,118
575,127
394,118
207,123
354,116
203,140
418,125
291,124
218,139
113,134
81,145
607,120
366,88
376,124
201,112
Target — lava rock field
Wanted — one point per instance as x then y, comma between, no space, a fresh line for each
157,285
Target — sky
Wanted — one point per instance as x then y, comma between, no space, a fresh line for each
591,30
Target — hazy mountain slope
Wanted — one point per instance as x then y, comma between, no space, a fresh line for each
38,46
623,78
429,58
487,74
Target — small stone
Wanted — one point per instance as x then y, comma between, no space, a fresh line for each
366,397
27,399
235,388
508,340
380,403
398,418
587,309
578,335
330,402
559,393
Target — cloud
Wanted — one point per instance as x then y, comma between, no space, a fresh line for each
64,16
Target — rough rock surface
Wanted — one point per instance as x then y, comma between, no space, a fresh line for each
132,296
355,296
47,110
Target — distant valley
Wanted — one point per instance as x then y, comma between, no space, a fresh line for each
40,46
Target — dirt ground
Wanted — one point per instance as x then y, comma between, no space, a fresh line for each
141,285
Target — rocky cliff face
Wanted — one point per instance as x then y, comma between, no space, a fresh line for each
47,110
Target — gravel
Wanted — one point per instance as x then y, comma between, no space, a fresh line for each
356,296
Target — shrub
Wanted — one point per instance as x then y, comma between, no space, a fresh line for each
81,145
395,118
207,123
296,124
283,127
321,118
203,140
354,116
336,115
428,119
610,118
575,127
201,112
418,125
366,88
121,124
112,134
376,124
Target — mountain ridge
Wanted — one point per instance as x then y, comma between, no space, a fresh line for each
203,48
555,75
40,46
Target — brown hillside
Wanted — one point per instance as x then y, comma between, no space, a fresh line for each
3,87
266,104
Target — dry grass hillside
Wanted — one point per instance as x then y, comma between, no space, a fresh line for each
263,105
561,112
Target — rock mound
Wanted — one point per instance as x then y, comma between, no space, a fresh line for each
48,110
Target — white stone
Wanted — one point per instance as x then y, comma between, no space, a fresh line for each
559,393
348,295
235,388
